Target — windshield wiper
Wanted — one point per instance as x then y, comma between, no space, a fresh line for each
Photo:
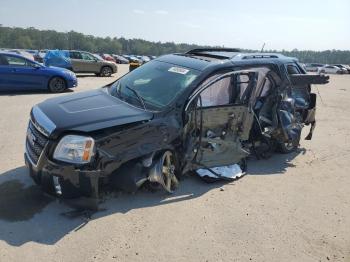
135,93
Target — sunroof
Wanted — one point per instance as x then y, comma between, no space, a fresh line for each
219,53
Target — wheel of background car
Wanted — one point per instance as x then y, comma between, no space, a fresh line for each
57,85
106,71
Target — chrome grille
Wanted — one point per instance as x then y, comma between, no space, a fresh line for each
35,143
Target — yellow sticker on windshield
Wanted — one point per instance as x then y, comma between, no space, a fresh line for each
178,70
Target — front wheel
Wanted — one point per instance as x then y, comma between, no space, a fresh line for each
57,85
164,172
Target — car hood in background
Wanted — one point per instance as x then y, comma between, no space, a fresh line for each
87,112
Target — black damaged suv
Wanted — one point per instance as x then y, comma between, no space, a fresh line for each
178,113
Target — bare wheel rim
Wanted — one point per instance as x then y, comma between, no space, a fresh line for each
289,145
168,172
106,71
57,84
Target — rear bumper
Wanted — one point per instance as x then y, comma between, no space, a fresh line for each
132,66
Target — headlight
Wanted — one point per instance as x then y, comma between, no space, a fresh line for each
75,149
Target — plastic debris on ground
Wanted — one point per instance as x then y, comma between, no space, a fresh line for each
230,172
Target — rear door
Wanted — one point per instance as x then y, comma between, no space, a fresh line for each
220,119
90,64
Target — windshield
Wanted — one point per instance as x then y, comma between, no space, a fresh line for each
153,85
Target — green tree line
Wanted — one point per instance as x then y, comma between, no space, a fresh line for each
32,38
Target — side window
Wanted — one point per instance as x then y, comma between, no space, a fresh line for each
243,86
87,56
75,55
292,70
266,87
15,61
217,94
231,90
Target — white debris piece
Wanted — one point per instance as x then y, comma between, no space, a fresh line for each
230,172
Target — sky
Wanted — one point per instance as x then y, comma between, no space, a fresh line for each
301,24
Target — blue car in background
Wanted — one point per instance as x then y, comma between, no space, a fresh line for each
18,73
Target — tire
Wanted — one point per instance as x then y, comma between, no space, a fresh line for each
287,147
106,71
57,85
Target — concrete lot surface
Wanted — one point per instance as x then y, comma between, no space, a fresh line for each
292,207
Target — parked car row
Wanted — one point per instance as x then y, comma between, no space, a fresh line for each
80,62
329,69
38,56
54,70
126,59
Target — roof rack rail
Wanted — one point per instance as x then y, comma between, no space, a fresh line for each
260,56
249,56
219,49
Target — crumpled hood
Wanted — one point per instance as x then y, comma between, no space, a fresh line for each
86,112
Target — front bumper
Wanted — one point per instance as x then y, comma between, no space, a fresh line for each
63,180
72,83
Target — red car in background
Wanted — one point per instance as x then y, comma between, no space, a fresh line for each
108,57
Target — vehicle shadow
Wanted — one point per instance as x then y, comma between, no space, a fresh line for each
277,164
92,75
27,214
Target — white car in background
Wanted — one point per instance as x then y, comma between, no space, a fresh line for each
346,68
313,67
331,69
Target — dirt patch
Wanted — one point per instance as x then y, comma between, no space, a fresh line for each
18,203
